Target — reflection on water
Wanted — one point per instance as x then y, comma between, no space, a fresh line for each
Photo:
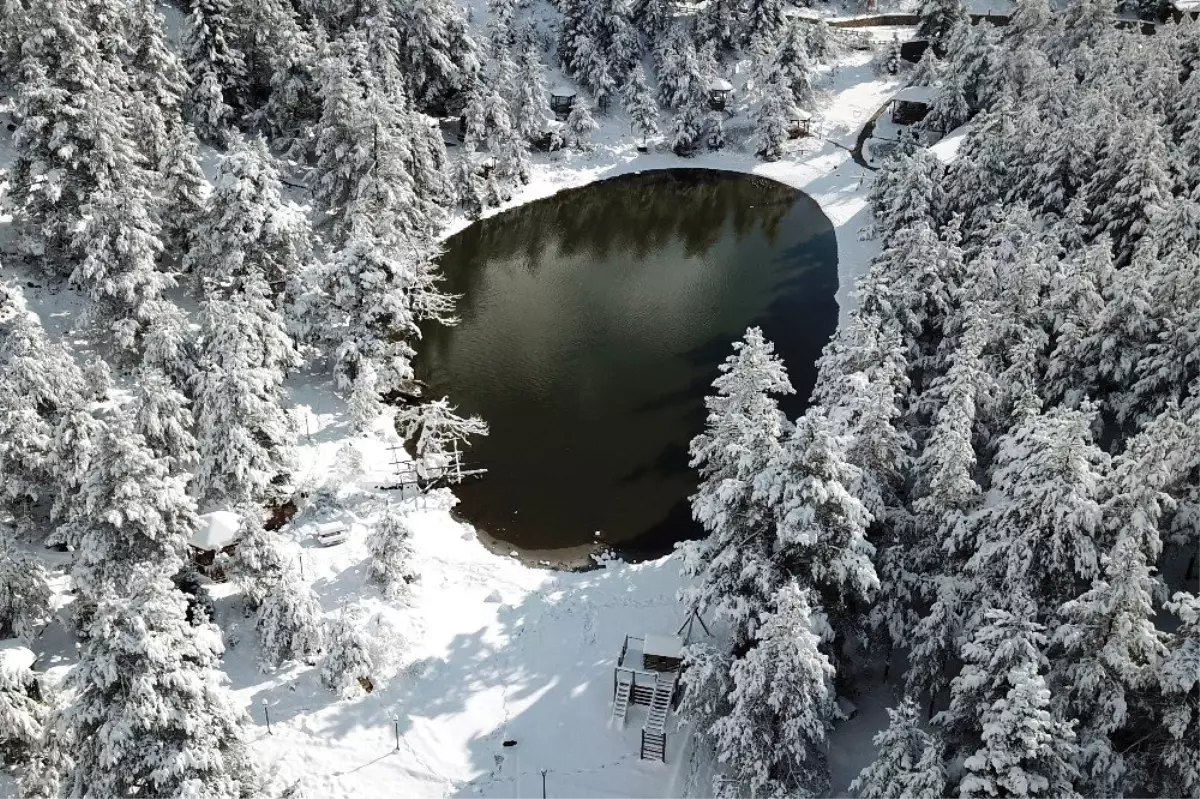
592,326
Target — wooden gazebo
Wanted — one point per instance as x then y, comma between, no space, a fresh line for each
912,103
799,123
562,100
719,93
647,673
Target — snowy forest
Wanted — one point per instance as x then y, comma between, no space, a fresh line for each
992,500
996,483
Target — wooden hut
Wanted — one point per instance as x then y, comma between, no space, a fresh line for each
562,100
215,532
647,673
719,93
799,123
912,103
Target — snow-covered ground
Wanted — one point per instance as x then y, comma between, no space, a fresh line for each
494,649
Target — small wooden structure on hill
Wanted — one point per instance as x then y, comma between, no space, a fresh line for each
647,673
912,103
215,532
719,93
562,100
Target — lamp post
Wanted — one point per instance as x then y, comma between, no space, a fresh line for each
267,716
396,727
543,783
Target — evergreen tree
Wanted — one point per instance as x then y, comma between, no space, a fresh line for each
763,22
215,67
937,20
347,665
391,551
438,56
244,436
732,567
257,564
24,593
132,511
164,419
185,192
1000,713
639,104
908,760
248,234
289,622
580,125
782,701
1178,680
151,713
530,109
22,715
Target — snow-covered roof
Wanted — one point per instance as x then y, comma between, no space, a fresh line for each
15,656
216,530
1186,5
801,114
663,646
721,85
562,90
946,150
917,94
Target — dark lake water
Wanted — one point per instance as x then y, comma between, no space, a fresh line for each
592,325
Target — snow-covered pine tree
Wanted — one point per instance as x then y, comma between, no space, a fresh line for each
216,68
908,759
687,125
639,104
163,417
23,713
1130,187
132,511
244,436
762,22
1029,24
248,233
39,385
1000,714
820,526
24,592
1041,532
580,125
782,701
719,22
1175,766
771,119
439,58
374,294
529,106
390,545
289,621
258,563
151,713
185,192
732,568
347,665
159,82
938,18
950,107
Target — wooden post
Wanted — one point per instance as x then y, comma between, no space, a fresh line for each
267,716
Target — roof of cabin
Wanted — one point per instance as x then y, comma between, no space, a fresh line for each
916,94
216,530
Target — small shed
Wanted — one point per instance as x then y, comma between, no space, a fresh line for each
799,123
662,652
562,100
215,532
719,93
1182,8
912,103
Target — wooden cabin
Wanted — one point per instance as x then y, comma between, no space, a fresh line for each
218,531
799,123
719,93
562,100
912,103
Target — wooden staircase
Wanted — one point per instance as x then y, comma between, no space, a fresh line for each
621,700
654,736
